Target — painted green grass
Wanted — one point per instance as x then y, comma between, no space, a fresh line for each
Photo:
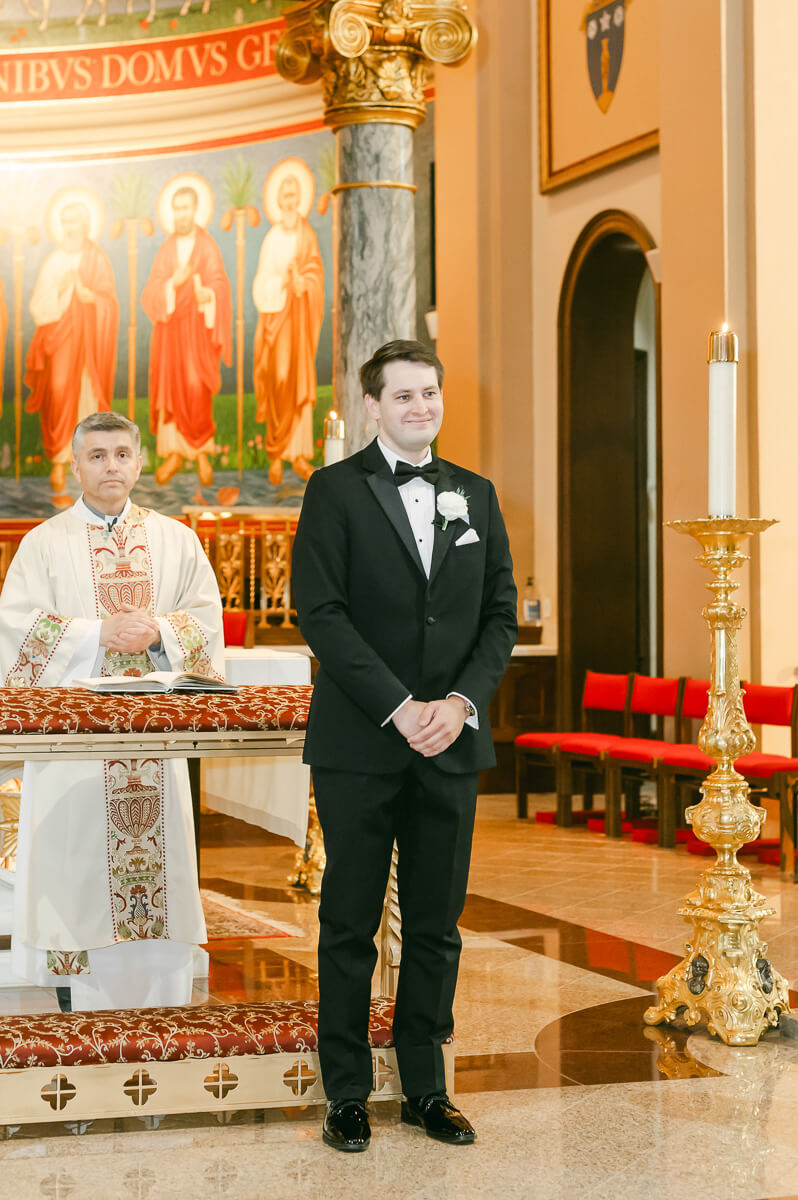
22,31
253,456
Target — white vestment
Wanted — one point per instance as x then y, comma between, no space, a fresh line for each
107,896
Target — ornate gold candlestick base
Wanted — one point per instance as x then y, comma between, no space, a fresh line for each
725,980
311,859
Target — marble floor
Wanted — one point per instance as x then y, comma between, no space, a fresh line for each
564,934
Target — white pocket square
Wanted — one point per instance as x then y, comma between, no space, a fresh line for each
467,538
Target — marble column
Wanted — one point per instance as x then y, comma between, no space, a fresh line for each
371,58
374,237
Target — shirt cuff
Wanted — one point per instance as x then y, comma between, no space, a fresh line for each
472,720
395,711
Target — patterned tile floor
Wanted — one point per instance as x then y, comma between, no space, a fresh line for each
564,933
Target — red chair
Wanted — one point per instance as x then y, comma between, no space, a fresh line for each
774,774
584,751
238,627
628,763
681,765
602,694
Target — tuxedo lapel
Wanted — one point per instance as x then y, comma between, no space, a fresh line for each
382,485
443,538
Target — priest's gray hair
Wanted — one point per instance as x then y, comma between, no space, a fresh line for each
104,422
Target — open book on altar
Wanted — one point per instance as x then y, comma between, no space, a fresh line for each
156,681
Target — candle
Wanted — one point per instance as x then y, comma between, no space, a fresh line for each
333,438
722,357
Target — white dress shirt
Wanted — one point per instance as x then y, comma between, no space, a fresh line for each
418,497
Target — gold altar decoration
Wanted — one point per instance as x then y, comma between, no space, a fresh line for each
725,979
250,551
10,796
311,859
372,55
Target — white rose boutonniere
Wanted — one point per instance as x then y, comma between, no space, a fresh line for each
452,506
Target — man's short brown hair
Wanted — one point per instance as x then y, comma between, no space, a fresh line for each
104,422
372,379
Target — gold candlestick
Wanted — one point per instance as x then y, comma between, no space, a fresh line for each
725,979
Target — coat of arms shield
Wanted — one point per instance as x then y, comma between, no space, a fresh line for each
604,23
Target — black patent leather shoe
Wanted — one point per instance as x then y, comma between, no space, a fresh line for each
346,1126
439,1119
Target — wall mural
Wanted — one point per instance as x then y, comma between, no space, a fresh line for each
191,292
27,24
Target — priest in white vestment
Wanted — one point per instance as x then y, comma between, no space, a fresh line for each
107,896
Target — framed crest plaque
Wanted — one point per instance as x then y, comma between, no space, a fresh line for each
598,68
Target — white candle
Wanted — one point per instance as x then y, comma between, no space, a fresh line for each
722,359
333,438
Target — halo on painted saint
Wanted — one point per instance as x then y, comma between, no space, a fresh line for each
287,167
166,216
61,199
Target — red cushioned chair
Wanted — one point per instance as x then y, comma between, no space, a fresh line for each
583,751
681,765
602,694
634,759
774,774
239,629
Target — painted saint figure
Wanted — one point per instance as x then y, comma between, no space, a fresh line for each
288,291
187,297
72,357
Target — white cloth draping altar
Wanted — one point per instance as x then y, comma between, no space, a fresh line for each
270,793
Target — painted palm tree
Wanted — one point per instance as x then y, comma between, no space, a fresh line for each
130,201
16,203
238,189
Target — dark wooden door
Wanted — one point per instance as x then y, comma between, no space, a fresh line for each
604,571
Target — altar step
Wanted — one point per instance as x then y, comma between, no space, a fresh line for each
157,1061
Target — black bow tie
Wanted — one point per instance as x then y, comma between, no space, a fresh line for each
403,471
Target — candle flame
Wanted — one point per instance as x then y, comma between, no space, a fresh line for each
725,327
333,415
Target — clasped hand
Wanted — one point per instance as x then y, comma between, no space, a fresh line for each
129,631
431,727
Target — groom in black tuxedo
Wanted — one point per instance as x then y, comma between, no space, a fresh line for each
403,584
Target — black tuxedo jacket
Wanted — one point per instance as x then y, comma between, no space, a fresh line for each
381,630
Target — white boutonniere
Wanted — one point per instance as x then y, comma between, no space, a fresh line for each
452,506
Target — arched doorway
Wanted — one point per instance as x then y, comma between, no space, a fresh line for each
610,544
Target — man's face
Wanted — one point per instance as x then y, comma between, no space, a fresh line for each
409,411
73,230
106,468
288,200
185,211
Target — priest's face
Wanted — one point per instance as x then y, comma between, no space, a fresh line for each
106,468
409,410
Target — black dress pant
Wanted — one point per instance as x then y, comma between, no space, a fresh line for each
430,814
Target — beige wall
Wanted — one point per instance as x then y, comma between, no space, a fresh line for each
775,92
503,249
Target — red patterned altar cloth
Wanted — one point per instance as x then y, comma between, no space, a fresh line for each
78,710
169,1034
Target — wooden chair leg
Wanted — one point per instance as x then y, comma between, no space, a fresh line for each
521,784
612,800
666,808
631,791
787,828
588,791
565,791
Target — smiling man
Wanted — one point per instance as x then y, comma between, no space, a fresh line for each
404,589
106,898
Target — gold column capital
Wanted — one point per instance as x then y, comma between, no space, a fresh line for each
372,56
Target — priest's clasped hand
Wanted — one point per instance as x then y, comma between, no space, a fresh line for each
131,630
432,727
